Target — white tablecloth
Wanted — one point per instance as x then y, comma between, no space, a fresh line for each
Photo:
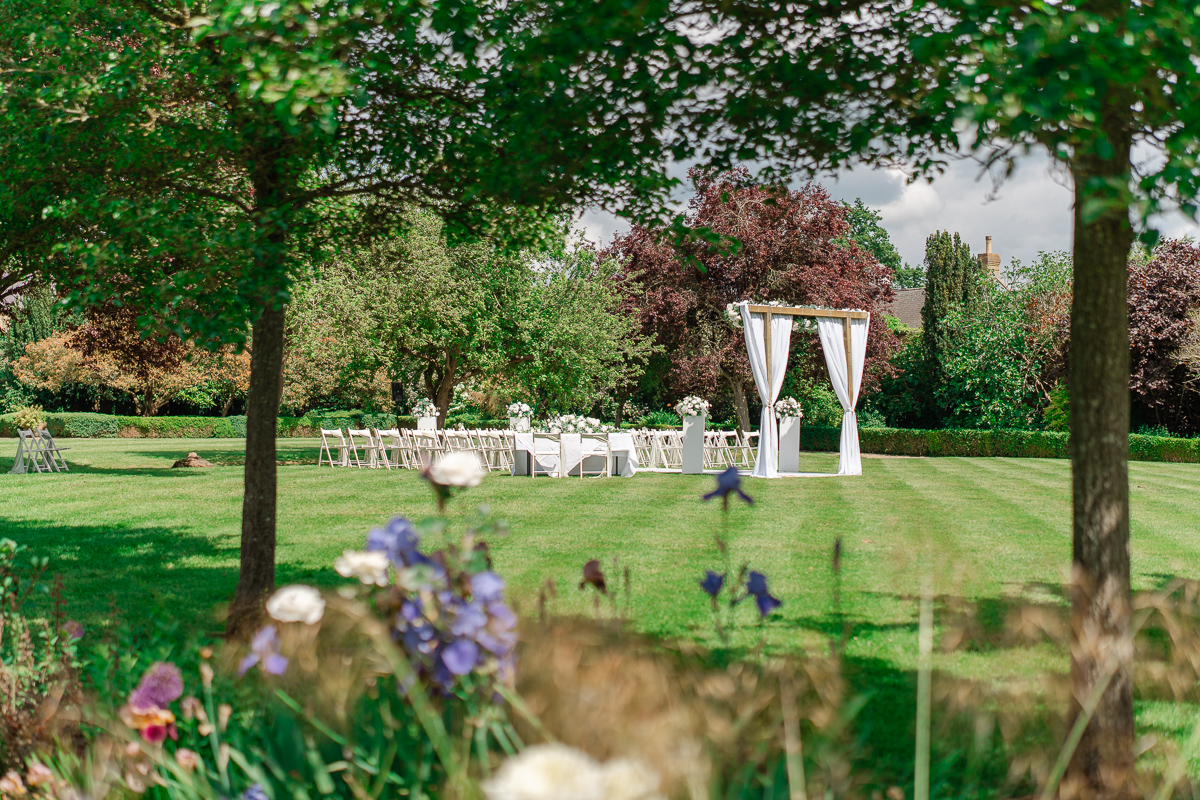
570,449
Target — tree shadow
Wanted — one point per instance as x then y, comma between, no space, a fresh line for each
158,463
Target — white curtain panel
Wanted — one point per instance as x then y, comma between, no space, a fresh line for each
767,464
833,342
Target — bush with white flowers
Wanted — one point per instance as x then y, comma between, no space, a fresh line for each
425,408
788,407
573,423
517,410
692,407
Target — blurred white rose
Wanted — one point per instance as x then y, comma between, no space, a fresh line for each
457,469
558,772
369,566
296,603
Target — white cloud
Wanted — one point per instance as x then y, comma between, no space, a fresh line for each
1028,213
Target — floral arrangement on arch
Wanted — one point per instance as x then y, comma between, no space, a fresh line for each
692,406
519,410
425,408
733,315
789,407
573,423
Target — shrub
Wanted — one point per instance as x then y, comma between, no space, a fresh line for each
29,418
1000,443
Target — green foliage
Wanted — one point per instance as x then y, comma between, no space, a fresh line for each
997,443
29,418
952,280
1057,414
655,418
38,317
540,325
868,233
820,404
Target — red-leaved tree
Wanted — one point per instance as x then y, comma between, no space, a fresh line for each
1164,341
791,247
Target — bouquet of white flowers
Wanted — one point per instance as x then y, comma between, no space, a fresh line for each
692,407
425,408
573,423
519,410
788,407
733,315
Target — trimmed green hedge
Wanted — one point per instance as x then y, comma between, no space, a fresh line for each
888,441
82,425
998,443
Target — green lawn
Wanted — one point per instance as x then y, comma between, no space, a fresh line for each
124,528
126,531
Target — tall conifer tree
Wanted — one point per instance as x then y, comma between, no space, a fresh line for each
953,279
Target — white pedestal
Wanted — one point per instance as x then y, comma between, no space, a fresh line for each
518,423
693,445
427,423
789,444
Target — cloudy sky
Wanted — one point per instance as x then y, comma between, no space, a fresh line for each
1029,213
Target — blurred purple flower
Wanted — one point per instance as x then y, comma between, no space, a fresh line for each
729,482
460,656
712,583
487,586
756,585
161,684
399,540
264,650
255,792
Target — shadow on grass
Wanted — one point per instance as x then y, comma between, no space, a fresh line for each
125,574
159,463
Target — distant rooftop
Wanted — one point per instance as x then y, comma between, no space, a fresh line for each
907,307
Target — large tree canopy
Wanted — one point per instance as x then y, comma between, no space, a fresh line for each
190,156
791,246
543,325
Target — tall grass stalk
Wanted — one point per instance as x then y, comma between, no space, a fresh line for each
792,744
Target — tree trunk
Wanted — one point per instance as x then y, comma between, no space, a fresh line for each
445,389
256,576
1101,605
739,402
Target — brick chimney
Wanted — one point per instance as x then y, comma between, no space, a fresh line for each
989,261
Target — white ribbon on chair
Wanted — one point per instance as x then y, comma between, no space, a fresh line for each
767,464
833,342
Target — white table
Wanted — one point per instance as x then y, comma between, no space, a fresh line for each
559,454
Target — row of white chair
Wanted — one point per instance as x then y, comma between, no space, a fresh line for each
401,448
722,449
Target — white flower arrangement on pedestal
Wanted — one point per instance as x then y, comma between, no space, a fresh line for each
573,423
425,408
517,410
692,406
788,407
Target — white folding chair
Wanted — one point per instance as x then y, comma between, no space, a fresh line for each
330,441
427,447
595,447
546,444
670,449
52,452
391,453
361,439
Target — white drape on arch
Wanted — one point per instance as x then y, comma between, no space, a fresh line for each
833,342
767,463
